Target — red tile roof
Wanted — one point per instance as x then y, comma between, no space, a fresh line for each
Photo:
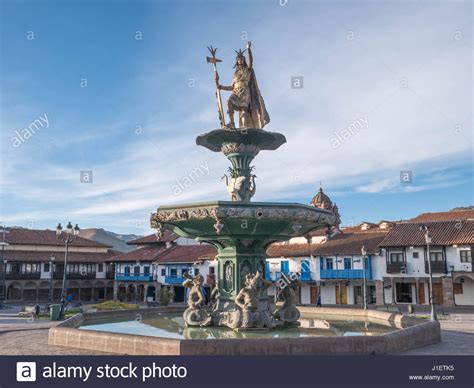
45,237
290,250
340,244
445,216
168,236
45,256
351,243
187,254
442,233
141,254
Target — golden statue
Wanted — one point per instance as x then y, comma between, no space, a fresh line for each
245,97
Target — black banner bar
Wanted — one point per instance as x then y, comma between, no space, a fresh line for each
291,371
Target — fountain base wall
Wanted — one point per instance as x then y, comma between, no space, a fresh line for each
419,333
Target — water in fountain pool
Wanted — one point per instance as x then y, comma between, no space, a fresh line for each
172,326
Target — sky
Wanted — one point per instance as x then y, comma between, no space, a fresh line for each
122,88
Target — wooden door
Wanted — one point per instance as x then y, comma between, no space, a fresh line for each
421,293
314,295
343,296
438,293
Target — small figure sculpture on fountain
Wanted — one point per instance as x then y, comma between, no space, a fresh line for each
288,313
248,300
195,315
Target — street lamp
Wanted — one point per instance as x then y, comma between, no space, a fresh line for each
364,255
425,229
69,237
3,243
51,271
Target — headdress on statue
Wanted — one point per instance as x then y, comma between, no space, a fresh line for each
240,54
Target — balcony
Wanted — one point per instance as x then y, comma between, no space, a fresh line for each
127,277
397,267
345,274
22,275
303,276
76,276
174,279
436,267
110,274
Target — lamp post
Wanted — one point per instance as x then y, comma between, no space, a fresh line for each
3,243
364,255
51,271
425,229
69,237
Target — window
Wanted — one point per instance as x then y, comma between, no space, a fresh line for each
32,268
146,270
100,267
46,267
347,263
212,270
173,272
127,271
416,255
196,271
163,271
436,256
329,263
465,256
136,270
15,268
184,271
396,257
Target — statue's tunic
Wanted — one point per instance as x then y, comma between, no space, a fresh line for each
240,97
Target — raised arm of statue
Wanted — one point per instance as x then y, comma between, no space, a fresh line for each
249,50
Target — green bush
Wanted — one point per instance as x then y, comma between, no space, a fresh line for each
113,305
165,296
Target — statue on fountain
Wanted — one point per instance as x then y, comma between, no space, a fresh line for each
245,97
288,313
195,315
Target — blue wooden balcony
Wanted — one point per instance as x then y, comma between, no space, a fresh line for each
345,274
127,277
174,279
306,276
303,276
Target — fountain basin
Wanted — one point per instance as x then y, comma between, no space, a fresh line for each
264,221
387,333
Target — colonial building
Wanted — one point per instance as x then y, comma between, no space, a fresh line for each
333,267
135,275
34,265
406,275
340,265
178,260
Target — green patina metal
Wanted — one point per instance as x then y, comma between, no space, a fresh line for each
241,231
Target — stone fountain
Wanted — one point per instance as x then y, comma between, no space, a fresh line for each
241,230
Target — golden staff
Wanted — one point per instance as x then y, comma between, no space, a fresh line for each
214,61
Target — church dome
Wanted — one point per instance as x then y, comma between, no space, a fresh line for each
321,200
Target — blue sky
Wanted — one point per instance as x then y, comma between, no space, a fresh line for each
405,67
